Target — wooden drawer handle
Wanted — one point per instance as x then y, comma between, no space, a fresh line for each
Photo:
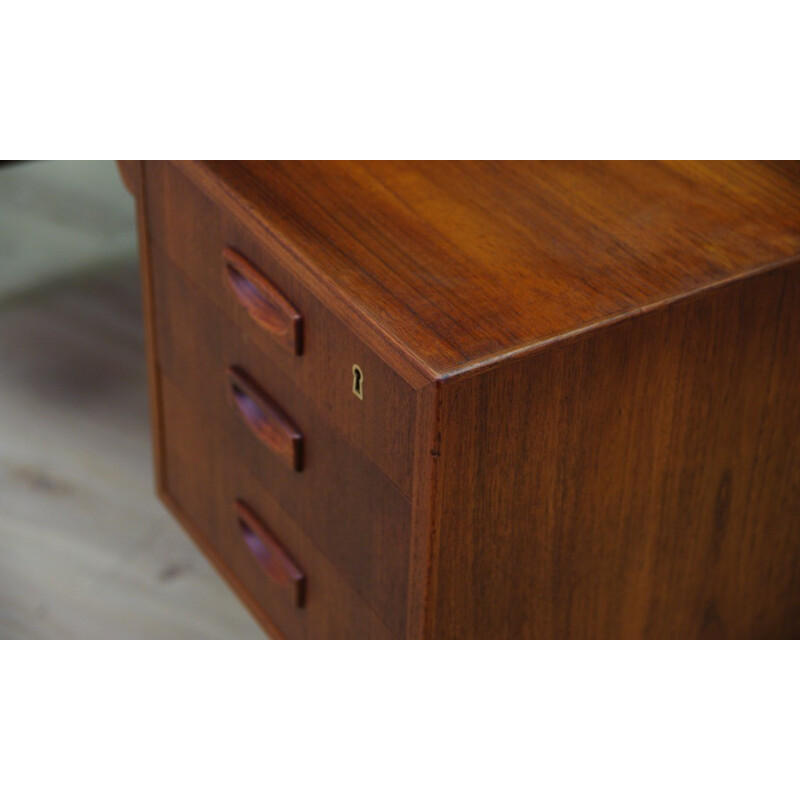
273,559
263,301
265,419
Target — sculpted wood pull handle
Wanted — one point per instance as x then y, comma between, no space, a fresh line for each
273,559
265,419
263,301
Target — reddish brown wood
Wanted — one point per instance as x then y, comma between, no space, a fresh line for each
190,230
268,422
275,562
457,264
580,415
201,481
648,485
131,174
354,514
263,301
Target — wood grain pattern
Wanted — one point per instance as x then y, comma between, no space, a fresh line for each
277,564
191,231
263,301
581,414
268,422
649,485
458,263
354,514
201,479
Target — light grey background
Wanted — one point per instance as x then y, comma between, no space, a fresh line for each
86,551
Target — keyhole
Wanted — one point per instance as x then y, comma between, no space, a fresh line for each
358,382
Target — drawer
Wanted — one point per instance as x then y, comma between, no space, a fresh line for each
358,519
193,232
203,484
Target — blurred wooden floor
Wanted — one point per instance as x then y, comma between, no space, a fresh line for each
86,550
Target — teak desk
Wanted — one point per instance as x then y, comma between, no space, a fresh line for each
482,399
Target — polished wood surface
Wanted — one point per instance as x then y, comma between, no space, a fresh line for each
188,229
270,554
356,516
201,482
460,263
553,400
263,301
649,485
268,422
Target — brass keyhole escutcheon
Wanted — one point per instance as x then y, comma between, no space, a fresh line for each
358,382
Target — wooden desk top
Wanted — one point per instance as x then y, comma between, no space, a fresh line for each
458,264
580,406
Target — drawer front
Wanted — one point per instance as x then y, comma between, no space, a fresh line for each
353,513
206,486
259,292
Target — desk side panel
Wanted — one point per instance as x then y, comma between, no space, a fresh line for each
640,481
